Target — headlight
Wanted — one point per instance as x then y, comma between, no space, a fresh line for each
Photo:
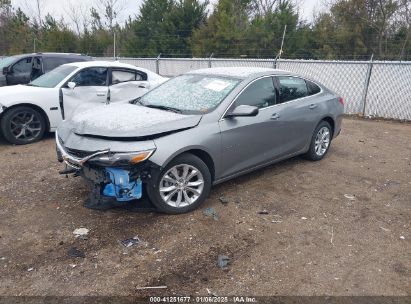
1,108
121,159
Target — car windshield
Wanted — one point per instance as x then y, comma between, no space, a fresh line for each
190,94
54,77
5,62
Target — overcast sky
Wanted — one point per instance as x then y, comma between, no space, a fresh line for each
131,7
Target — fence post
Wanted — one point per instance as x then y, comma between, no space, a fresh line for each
158,64
366,85
209,60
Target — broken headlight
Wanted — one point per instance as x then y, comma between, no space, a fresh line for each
122,159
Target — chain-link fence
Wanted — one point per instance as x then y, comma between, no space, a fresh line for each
370,88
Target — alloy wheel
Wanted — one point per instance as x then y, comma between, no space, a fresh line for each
25,125
181,186
322,141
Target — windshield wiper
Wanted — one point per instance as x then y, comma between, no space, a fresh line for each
137,100
166,108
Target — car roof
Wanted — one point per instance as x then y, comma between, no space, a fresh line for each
113,64
70,55
240,72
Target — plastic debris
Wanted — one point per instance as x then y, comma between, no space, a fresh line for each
349,196
76,253
152,287
223,200
402,237
30,269
131,242
80,232
211,293
211,213
303,218
223,261
263,212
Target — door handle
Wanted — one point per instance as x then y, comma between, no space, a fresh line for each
275,116
101,94
312,106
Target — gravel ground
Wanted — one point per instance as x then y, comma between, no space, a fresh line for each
336,227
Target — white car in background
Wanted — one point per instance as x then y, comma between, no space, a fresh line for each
28,111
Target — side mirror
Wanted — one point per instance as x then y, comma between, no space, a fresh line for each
243,111
6,70
71,85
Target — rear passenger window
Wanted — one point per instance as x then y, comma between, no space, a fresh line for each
50,63
291,88
261,94
119,76
312,88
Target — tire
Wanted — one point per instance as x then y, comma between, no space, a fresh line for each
15,128
320,142
180,189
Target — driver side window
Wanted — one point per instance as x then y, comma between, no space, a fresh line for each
23,66
91,77
261,93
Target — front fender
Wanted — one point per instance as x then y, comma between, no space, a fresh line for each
205,137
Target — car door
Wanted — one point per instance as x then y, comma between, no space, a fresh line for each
296,115
247,141
127,84
20,72
91,89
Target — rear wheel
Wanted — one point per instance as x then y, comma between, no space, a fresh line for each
23,125
181,186
320,142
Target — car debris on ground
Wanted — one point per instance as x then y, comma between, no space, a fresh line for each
223,200
130,242
223,261
76,253
151,287
81,232
210,212
350,197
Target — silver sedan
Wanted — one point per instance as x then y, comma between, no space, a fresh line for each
197,130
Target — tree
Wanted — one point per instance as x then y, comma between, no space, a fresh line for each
225,33
144,36
184,17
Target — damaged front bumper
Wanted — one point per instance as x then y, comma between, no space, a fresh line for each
122,182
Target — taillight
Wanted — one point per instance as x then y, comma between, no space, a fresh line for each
341,100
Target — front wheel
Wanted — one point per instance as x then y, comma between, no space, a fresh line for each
181,186
23,125
320,142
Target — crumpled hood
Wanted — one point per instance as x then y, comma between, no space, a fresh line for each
129,121
19,93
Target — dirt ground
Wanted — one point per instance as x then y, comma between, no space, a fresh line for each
336,227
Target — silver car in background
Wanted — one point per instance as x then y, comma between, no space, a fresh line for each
197,130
